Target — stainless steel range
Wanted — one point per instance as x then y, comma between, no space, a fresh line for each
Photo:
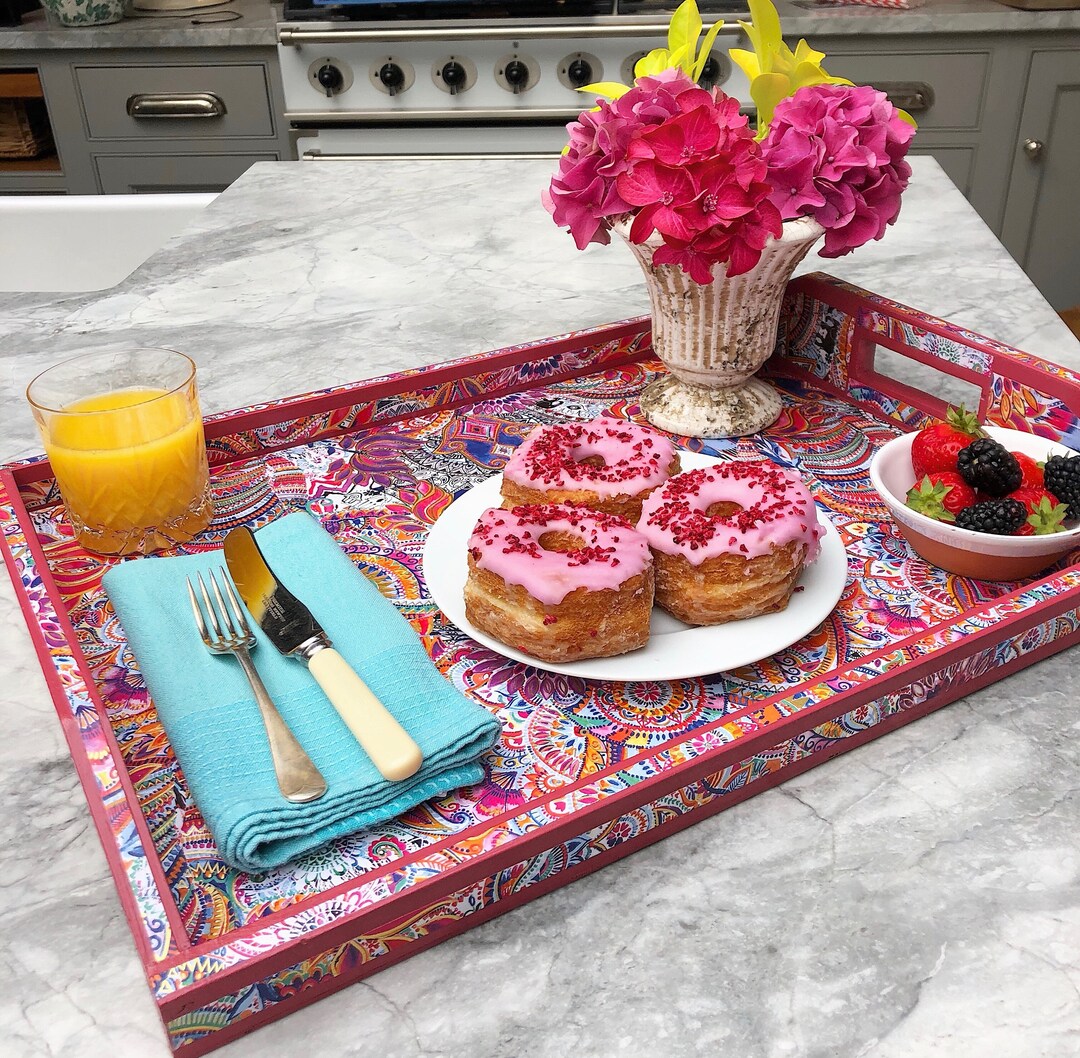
472,78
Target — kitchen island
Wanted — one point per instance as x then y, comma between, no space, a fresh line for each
991,86
930,879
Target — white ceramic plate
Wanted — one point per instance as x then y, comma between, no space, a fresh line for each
675,651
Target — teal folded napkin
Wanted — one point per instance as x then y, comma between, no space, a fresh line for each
208,710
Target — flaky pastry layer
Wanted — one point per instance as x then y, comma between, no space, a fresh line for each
727,587
586,624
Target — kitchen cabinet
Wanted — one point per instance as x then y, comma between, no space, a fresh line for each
31,164
147,120
131,119
954,80
962,91
223,101
979,98
140,174
1042,221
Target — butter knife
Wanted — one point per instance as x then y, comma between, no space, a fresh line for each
292,628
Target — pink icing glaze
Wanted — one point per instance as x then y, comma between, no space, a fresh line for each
508,544
775,509
635,457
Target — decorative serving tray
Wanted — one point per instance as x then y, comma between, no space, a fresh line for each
585,772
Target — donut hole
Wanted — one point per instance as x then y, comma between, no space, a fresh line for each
592,461
722,509
561,540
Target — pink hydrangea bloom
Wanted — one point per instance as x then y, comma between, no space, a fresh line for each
682,162
836,153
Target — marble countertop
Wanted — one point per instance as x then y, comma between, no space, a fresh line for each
916,898
935,17
142,29
800,18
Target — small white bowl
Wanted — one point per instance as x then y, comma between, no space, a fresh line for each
981,555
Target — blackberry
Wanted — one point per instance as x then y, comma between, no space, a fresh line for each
1000,517
989,467
1061,475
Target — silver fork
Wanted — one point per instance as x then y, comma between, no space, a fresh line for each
225,630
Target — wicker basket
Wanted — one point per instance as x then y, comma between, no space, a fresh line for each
24,129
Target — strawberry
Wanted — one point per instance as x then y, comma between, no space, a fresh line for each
1031,496
936,447
1032,471
1044,514
941,495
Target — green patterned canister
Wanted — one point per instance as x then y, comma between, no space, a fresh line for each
85,12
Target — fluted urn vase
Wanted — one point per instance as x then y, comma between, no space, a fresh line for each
714,337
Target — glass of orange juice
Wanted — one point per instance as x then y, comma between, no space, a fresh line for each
124,435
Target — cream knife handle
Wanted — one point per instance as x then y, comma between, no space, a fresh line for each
385,741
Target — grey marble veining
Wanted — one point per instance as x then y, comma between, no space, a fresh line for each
140,29
917,898
258,25
935,17
304,275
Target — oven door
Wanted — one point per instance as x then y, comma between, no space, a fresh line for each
511,139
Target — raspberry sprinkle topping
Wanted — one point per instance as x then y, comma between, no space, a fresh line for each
606,455
764,506
604,550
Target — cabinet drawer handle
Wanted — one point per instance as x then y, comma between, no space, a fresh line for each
912,96
195,105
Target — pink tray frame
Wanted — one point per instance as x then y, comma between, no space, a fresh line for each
359,933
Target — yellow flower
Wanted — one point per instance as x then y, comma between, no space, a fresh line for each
682,51
773,69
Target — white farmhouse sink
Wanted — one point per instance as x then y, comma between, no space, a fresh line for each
85,242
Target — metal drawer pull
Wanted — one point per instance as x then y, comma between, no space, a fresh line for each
911,96
195,105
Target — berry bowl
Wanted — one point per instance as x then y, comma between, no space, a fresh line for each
964,551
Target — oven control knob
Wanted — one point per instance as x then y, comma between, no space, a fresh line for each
454,75
579,69
517,75
580,73
392,76
331,78
713,72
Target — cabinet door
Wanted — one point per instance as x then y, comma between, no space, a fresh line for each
964,90
1042,219
235,101
130,174
952,83
958,163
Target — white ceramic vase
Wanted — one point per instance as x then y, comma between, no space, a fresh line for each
712,338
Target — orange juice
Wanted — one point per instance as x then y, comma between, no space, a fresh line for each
131,467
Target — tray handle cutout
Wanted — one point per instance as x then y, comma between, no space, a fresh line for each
917,377
928,379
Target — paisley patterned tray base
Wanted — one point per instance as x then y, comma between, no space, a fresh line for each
585,771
